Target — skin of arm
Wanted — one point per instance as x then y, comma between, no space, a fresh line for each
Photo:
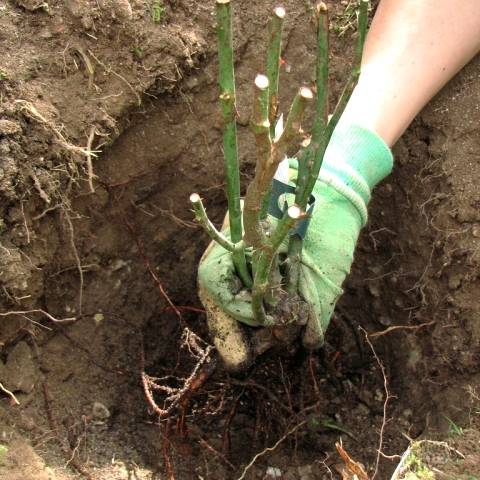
413,48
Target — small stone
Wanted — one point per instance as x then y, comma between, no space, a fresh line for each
384,320
46,34
9,127
191,83
118,264
454,281
361,411
387,190
100,411
87,22
31,5
407,413
399,303
393,281
273,473
378,395
290,474
119,9
374,290
19,374
306,472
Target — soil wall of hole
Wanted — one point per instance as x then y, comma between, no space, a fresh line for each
415,275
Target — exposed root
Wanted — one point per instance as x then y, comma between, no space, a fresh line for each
123,79
388,397
77,259
174,396
25,313
25,224
87,63
400,327
178,221
90,173
270,449
30,109
354,468
68,451
152,273
10,394
218,454
38,187
166,451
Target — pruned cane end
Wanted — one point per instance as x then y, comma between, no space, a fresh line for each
294,212
306,93
279,12
261,81
194,198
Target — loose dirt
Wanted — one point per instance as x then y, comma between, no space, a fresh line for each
122,96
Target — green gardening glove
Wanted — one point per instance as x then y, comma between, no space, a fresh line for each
355,161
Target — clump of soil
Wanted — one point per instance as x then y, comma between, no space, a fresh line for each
109,95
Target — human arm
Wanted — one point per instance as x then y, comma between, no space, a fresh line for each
413,48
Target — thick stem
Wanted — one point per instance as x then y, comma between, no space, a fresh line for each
254,232
352,81
264,265
230,149
339,108
273,62
273,73
305,160
260,125
295,244
294,259
361,31
293,124
321,71
265,171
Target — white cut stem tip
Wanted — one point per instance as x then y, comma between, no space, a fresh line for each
261,81
294,212
306,93
279,12
195,198
305,143
322,8
223,2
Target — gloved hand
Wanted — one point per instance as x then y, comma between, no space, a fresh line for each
355,161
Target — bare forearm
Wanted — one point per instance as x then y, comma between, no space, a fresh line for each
413,48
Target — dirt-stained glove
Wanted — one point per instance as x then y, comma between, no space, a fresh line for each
355,161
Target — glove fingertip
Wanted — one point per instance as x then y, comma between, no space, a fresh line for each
313,335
